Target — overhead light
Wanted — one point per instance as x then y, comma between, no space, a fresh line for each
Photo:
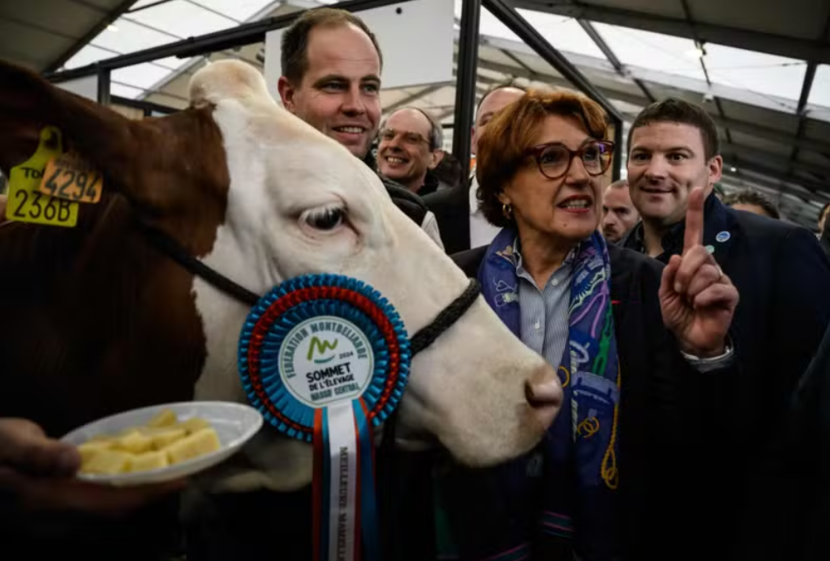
733,169
111,27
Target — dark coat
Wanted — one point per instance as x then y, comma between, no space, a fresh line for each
668,413
824,240
790,502
451,208
783,277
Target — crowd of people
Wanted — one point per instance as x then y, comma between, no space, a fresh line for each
695,423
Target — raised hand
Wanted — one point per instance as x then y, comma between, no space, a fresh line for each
697,300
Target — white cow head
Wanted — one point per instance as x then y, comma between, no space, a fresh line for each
288,201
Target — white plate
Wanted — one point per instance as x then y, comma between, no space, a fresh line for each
234,423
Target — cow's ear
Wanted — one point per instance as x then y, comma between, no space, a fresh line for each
107,140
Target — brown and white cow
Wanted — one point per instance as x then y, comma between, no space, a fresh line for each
93,320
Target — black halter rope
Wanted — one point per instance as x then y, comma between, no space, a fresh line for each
422,339
418,342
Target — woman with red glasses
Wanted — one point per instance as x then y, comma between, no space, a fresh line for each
640,351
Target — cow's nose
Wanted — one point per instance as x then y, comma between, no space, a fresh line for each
544,393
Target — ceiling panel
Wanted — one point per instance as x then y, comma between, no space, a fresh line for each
492,54
127,37
655,51
89,55
565,34
764,145
760,116
817,130
240,10
182,19
29,46
756,72
795,18
820,92
538,65
141,75
668,9
814,158
71,19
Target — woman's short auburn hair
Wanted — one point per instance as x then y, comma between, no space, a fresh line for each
502,149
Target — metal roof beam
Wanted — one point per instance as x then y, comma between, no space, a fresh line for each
612,58
750,40
659,79
734,125
465,80
809,76
527,33
557,81
239,36
806,87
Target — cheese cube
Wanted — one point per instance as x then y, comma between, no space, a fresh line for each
89,449
193,425
166,437
197,444
163,418
134,442
107,462
148,460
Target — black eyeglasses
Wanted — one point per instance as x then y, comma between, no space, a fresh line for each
554,159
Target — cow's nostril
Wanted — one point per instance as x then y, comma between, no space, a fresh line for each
544,393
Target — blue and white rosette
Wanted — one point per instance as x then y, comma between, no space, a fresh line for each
325,358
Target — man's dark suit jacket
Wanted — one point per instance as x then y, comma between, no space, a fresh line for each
451,208
783,278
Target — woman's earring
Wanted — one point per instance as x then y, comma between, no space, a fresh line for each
507,211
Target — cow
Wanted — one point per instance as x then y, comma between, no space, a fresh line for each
94,320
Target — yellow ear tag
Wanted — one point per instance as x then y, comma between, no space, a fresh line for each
26,203
70,177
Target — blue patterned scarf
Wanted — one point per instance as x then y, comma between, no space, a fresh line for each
579,473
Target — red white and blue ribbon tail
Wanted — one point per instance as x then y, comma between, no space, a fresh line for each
344,487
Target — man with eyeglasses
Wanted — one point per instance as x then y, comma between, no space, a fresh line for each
331,65
410,147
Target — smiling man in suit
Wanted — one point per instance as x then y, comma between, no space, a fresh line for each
781,274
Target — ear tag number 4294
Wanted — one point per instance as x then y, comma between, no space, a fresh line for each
69,177
26,203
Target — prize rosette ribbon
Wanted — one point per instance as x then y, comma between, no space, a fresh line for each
325,358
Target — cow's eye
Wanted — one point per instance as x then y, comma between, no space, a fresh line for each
325,219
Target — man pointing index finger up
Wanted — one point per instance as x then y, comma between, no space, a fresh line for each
696,298
781,274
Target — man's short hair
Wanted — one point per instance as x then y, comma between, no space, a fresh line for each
512,83
294,44
823,212
674,110
436,131
749,197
